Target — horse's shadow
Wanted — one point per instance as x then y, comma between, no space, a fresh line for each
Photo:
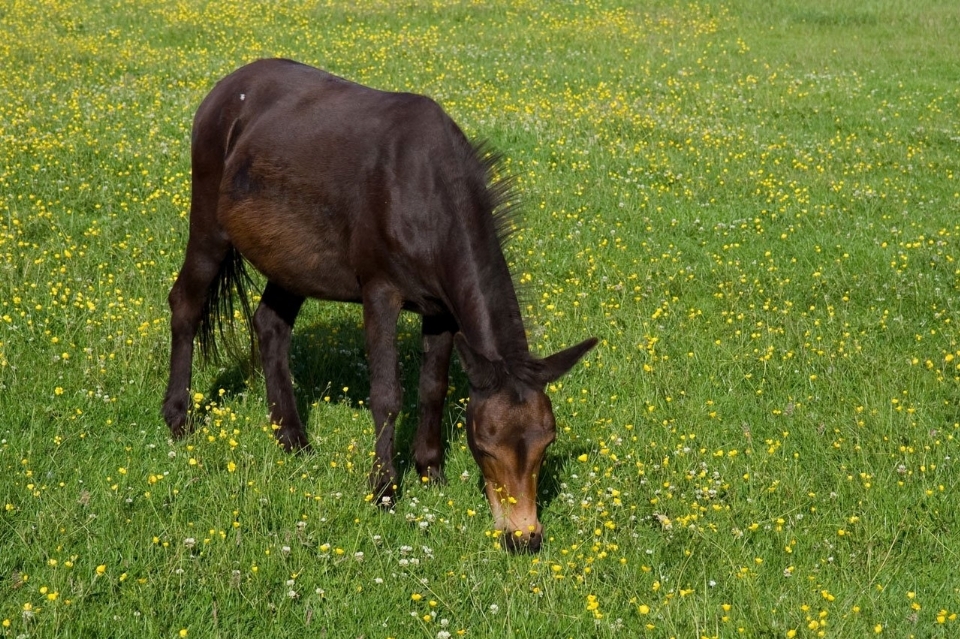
329,364
328,360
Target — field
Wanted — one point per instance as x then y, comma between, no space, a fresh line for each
754,204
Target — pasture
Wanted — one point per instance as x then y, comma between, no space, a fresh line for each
754,204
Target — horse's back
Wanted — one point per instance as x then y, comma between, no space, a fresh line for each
324,182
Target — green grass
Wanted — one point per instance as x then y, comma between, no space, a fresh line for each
753,204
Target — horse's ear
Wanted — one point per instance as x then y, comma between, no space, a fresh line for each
481,372
557,365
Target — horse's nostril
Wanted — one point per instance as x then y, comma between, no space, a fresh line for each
519,544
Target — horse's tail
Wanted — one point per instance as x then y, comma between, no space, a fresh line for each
221,308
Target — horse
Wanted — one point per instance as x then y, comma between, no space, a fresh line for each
337,191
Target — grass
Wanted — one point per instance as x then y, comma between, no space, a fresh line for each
754,205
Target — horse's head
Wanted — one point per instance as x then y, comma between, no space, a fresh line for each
510,423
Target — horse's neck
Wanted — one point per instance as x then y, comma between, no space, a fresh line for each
484,302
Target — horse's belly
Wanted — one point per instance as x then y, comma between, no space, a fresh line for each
292,248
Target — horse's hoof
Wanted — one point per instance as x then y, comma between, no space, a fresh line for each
176,419
178,429
293,441
432,475
384,487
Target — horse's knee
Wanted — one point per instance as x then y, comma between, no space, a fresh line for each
393,398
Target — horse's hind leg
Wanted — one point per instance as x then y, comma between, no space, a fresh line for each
428,450
205,253
273,322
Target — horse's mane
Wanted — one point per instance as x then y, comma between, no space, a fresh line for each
501,190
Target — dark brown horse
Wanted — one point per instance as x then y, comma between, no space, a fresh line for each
337,191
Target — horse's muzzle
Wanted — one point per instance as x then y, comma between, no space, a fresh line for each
523,543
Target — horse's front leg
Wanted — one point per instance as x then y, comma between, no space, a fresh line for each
381,310
273,322
428,448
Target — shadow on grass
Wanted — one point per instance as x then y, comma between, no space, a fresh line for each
328,359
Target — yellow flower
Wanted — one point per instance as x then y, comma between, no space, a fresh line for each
101,569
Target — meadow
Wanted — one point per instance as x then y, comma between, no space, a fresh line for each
754,204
